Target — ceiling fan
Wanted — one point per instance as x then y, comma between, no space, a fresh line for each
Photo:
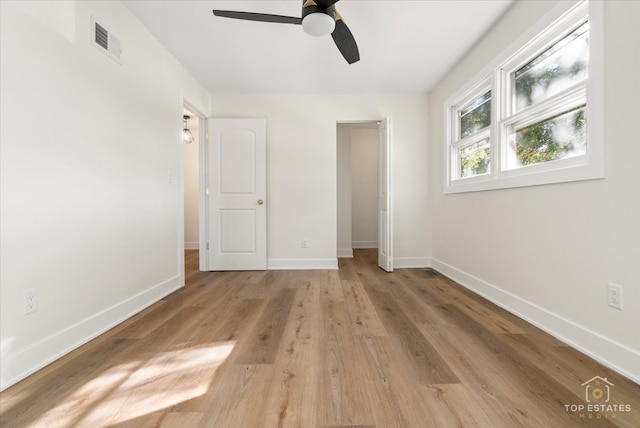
319,18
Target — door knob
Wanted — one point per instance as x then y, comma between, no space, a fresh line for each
260,202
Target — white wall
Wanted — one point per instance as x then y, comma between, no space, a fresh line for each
302,170
91,207
547,252
343,154
191,185
364,186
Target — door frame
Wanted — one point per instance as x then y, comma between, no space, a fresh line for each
389,175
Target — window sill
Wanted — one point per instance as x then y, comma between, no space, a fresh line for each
528,176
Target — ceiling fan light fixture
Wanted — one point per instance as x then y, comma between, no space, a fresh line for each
318,18
318,24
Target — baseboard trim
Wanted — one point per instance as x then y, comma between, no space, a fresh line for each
24,362
191,246
411,262
302,264
345,253
616,356
364,244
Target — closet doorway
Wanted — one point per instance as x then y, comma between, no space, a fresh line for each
363,189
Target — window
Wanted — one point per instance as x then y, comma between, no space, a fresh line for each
528,121
472,128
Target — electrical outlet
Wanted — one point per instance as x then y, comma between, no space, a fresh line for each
305,243
614,295
30,302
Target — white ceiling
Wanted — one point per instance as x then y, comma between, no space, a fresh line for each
405,45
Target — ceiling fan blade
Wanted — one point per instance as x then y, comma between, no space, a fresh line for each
261,17
325,3
345,41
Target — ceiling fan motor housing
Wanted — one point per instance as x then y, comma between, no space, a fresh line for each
317,21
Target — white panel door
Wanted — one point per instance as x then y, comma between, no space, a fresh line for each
385,241
236,184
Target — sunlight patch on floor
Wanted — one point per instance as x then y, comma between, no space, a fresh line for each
68,411
143,387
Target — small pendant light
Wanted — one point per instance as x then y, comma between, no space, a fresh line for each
187,136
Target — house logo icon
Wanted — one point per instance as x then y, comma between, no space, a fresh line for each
597,389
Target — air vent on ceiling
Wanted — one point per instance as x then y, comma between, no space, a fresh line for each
104,40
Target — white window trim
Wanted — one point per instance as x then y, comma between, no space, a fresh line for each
584,167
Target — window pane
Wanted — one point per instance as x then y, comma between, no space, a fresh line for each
556,69
474,159
559,137
476,115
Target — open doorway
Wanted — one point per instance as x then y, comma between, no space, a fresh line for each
363,184
191,168
192,149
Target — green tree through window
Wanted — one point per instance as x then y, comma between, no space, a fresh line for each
559,137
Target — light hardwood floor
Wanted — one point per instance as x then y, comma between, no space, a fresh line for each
356,347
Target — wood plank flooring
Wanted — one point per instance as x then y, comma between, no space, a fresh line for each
356,347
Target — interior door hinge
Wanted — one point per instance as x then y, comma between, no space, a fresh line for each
206,135
207,245
206,191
